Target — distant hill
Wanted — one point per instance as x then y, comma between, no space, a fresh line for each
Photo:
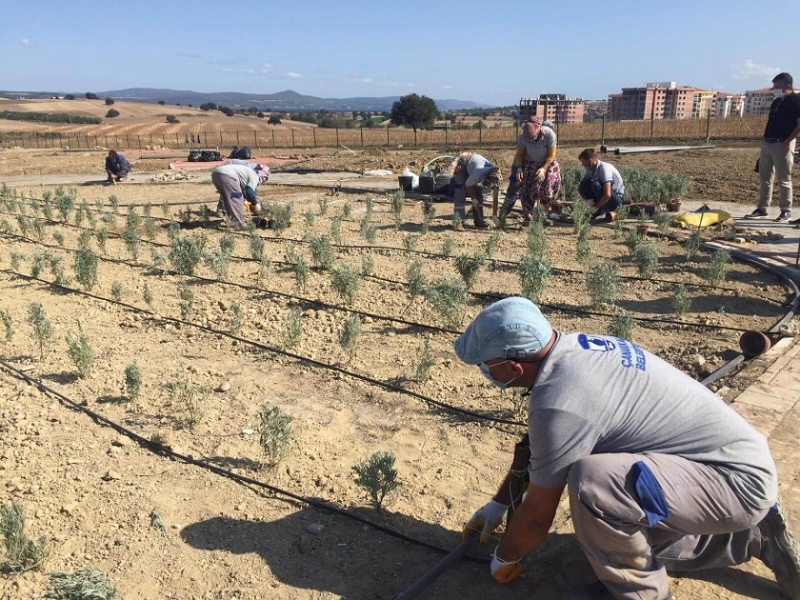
285,101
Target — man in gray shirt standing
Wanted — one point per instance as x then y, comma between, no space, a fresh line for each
661,473
602,184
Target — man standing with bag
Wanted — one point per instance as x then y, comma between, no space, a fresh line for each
661,473
777,149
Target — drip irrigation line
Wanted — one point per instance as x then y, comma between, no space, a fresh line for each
299,357
483,295
161,450
427,253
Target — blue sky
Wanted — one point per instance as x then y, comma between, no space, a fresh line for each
486,52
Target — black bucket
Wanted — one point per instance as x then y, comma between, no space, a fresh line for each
406,182
261,223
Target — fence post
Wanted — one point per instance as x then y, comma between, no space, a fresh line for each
237,137
220,138
337,136
314,132
480,136
603,134
293,137
445,138
177,141
205,136
273,138
362,136
60,141
387,136
164,139
708,127
255,139
37,141
140,142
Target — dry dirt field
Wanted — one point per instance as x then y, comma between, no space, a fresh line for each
92,490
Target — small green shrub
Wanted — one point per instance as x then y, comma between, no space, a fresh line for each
264,267
377,476
147,296
130,236
602,283
187,398
416,281
187,300
469,267
83,584
537,240
646,258
186,253
323,205
274,432
80,351
493,243
719,266
619,223
692,245
424,362
583,247
398,203
367,266
633,241
681,301
150,229
310,218
336,230
16,259
347,210
8,324
580,213
292,332
368,231
116,291
448,296
218,261
621,325
42,328
281,217
448,246
101,236
301,271
256,244
133,382
236,319
322,253
349,334
345,281
534,273
85,267
663,220
410,242
458,222
19,552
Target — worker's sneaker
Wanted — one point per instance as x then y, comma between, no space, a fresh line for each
758,213
784,216
796,222
595,591
781,552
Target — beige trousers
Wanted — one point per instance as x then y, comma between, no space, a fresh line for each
775,162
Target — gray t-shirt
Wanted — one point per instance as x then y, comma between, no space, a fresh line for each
604,172
246,176
536,150
477,169
598,395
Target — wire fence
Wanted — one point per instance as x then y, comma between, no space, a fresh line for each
446,138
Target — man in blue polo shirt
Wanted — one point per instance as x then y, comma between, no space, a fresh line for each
602,185
777,149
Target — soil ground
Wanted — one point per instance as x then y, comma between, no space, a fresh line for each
91,491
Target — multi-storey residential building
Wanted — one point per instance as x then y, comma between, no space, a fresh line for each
757,102
666,100
729,105
552,107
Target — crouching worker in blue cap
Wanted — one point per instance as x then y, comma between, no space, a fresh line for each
661,473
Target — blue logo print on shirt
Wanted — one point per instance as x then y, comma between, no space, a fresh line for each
631,354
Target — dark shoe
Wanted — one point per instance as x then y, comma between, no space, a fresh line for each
758,213
795,222
781,552
481,225
784,216
595,591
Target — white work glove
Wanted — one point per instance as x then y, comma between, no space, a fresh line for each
486,519
497,222
539,175
504,571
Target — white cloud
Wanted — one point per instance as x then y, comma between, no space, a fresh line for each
446,87
749,69
293,75
26,42
364,80
267,66
227,70
249,71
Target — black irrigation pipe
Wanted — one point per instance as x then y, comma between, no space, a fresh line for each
161,450
376,382
389,249
305,300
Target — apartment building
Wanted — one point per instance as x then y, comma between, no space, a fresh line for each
729,105
557,108
757,102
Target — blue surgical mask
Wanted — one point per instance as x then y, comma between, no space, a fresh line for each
488,374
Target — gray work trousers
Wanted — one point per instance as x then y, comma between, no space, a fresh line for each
708,526
460,194
231,197
775,162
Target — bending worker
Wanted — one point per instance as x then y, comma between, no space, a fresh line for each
537,168
661,473
470,170
237,184
117,167
601,185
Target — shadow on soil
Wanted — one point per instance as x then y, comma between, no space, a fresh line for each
352,561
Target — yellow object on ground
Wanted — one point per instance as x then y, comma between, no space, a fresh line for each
703,219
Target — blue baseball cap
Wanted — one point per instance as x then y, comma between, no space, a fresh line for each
512,328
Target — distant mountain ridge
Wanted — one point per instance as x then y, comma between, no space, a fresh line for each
288,100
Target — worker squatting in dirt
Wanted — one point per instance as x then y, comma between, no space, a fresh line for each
661,473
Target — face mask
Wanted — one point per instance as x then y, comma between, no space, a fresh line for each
777,92
496,382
